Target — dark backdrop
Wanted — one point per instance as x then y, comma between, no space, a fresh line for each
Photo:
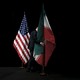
11,14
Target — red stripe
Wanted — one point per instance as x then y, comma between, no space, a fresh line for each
40,59
27,45
48,35
21,49
28,37
24,44
25,40
19,53
49,47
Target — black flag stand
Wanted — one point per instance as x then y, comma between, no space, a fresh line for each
43,66
22,66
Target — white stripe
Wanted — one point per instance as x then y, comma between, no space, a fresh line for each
28,50
20,52
26,38
21,37
26,45
35,56
27,42
46,23
28,35
22,47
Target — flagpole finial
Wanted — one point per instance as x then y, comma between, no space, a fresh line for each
43,5
43,10
24,12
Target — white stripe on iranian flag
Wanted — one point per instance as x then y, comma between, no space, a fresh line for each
46,23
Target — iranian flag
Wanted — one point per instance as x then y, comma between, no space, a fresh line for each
45,34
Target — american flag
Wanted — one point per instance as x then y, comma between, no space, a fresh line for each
22,40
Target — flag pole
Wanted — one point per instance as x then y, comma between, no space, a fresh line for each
44,41
22,65
43,66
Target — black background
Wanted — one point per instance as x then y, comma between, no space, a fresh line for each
11,13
